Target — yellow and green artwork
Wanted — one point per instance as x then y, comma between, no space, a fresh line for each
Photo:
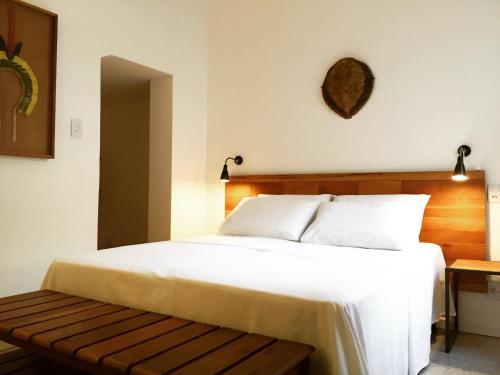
10,60
28,54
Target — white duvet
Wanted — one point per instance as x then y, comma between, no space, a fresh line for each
366,311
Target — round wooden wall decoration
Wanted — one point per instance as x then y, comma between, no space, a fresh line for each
347,86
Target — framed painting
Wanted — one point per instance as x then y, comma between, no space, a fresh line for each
28,53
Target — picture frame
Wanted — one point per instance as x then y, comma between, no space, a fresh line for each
28,60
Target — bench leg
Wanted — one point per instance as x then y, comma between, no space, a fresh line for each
304,367
301,369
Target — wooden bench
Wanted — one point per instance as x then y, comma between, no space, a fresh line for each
102,338
21,362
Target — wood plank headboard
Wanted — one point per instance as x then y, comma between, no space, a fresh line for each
455,217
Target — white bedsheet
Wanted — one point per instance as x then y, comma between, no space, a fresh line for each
366,311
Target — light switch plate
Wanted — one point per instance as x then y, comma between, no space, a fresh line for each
76,128
494,193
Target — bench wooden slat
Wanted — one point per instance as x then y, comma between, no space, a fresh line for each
42,367
72,344
27,332
39,308
47,339
26,296
123,360
12,355
33,301
100,338
227,356
275,359
186,353
11,324
96,352
19,364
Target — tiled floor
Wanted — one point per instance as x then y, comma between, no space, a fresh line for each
471,355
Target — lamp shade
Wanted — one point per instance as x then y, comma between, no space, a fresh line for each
460,174
224,176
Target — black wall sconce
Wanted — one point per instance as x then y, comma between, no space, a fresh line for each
460,174
224,176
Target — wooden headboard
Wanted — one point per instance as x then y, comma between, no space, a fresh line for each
455,217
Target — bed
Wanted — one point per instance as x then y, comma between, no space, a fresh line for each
358,324
367,311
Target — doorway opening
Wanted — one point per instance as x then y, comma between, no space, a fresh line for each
136,154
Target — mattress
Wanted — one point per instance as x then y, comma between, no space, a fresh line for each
366,311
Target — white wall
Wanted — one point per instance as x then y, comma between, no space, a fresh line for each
436,87
160,159
49,208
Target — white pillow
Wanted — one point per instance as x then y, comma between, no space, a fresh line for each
383,225
317,197
268,217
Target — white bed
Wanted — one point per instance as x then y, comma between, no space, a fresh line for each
366,311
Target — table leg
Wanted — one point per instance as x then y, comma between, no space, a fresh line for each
447,310
456,284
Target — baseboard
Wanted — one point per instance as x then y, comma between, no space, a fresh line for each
479,329
441,323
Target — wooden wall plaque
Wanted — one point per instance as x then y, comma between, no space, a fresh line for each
347,86
28,43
